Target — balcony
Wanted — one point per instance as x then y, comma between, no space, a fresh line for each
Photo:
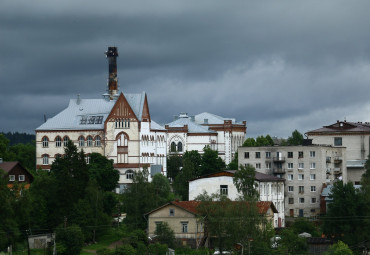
279,159
338,160
337,170
328,159
278,170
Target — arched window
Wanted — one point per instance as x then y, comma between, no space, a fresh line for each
179,146
129,174
89,141
45,159
65,141
45,142
81,141
173,147
97,141
58,141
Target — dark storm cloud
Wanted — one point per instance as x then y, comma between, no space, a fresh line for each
280,65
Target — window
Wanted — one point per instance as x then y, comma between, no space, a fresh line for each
290,154
300,177
12,178
21,178
172,212
312,154
313,200
268,154
45,159
312,177
88,158
184,227
268,165
337,141
89,141
290,165
300,154
129,174
300,165
258,154
313,165
313,188
290,177
179,146
173,147
81,141
97,141
246,154
45,142
301,189
291,200
65,141
290,188
301,200
58,141
258,165
223,190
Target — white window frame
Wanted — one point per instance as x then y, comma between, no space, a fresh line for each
45,142
268,154
300,177
172,212
12,178
313,188
313,165
312,177
312,154
184,227
81,141
290,165
45,159
290,177
224,190
21,178
301,189
300,165
58,141
97,141
268,165
89,141
301,200
290,188
313,198
65,141
258,165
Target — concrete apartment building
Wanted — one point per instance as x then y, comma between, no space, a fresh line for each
355,136
304,168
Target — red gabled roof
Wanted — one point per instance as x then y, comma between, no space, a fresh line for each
190,206
263,206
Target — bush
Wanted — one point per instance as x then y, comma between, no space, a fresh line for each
69,240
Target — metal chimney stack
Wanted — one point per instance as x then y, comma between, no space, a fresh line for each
112,55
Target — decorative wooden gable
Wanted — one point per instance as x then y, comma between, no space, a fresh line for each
146,115
341,125
122,110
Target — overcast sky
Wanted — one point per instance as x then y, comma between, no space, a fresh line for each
279,65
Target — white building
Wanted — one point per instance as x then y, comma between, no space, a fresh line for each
355,136
187,133
270,188
305,169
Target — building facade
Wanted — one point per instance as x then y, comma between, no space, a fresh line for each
304,168
187,133
355,136
270,188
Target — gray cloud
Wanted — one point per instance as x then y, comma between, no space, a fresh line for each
280,65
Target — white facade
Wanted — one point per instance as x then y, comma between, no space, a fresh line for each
305,169
270,188
355,136
187,133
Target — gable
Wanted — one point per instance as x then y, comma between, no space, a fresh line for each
121,109
165,212
145,113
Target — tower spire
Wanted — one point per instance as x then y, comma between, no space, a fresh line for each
112,55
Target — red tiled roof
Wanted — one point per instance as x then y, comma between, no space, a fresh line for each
190,206
263,206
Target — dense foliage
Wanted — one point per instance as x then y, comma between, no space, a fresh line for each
259,141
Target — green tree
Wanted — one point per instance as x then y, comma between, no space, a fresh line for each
345,222
301,225
195,158
174,164
339,248
233,165
24,154
211,162
157,249
165,234
249,142
269,140
101,169
71,175
296,138
69,240
244,181
291,243
181,183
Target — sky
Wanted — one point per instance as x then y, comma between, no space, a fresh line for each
279,65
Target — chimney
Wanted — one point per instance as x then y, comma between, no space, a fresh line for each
112,55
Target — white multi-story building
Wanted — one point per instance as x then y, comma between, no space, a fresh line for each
187,133
355,136
270,188
305,169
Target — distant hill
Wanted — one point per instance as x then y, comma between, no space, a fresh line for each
16,137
